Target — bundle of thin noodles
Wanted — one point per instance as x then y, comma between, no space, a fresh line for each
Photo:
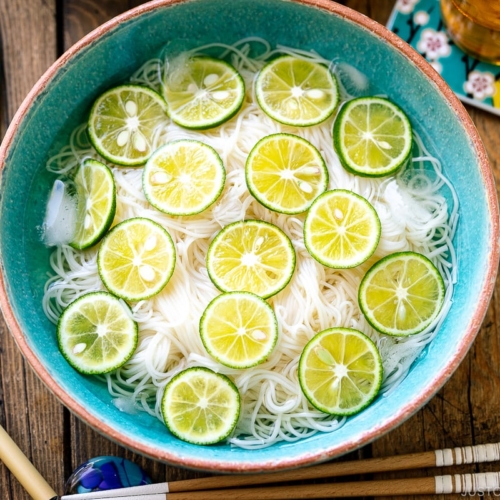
414,215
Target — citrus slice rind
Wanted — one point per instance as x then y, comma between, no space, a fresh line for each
202,92
96,334
402,294
200,406
239,329
183,177
342,229
124,122
340,371
96,206
252,256
136,259
296,92
285,173
372,136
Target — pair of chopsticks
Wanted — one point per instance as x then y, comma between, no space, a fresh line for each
218,487
233,487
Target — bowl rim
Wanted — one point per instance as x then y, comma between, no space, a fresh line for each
376,431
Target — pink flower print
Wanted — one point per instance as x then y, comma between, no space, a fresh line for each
480,85
421,18
434,44
406,6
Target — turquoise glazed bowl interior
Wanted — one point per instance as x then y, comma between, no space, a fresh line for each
61,100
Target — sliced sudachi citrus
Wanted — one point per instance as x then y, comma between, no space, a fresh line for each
200,406
96,333
341,229
285,173
239,329
253,256
340,371
202,92
124,122
372,136
183,177
136,259
296,92
96,203
401,294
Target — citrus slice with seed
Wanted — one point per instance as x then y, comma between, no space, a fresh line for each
296,92
96,334
285,173
183,177
401,294
200,406
341,229
252,256
96,206
372,136
340,371
124,122
202,92
136,259
239,329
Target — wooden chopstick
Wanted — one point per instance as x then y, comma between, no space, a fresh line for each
438,458
25,472
459,483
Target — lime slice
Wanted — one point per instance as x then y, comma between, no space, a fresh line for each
123,124
136,259
296,92
340,371
239,329
96,190
372,136
401,294
96,333
252,256
183,177
200,406
286,173
202,92
341,229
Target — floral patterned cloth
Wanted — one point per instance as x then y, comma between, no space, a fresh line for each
419,23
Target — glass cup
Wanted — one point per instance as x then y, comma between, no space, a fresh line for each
474,26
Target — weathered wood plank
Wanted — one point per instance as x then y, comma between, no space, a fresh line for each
83,16
30,414
463,412
5,477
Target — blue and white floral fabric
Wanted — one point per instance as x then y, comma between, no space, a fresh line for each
419,23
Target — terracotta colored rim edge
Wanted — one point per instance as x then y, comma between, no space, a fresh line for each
376,431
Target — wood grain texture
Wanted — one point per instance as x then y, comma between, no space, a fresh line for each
27,51
82,16
464,412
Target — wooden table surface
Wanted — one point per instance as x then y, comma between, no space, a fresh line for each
33,33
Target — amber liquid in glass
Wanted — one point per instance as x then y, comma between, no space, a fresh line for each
474,25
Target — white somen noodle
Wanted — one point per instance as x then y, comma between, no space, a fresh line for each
414,214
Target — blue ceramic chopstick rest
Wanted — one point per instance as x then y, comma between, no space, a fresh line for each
106,473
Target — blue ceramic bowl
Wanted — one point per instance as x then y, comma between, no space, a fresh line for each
100,61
